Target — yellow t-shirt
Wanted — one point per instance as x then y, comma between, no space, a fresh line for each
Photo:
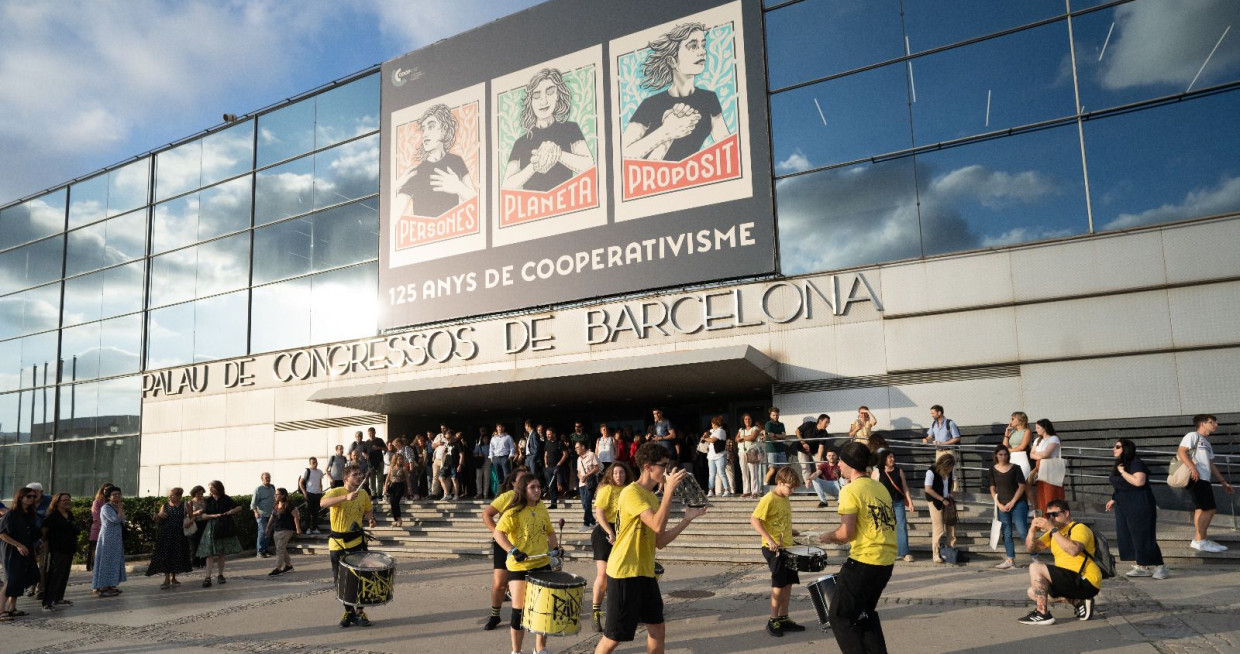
875,540
347,516
1084,536
632,555
608,499
527,529
502,501
775,512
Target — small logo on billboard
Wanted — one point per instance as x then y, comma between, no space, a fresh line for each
402,75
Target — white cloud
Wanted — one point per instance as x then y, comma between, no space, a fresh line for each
1223,198
991,188
1167,42
1023,235
796,162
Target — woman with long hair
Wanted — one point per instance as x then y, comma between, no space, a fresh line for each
19,533
524,531
606,511
747,440
195,507
110,552
938,488
1017,439
101,498
219,537
892,478
171,546
1046,446
284,523
1136,515
553,148
60,532
1007,489
394,485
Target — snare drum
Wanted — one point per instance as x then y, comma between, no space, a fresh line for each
804,558
553,603
820,591
366,579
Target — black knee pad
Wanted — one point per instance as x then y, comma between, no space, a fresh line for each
515,622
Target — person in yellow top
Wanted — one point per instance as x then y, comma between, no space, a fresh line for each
348,505
641,527
1074,577
868,525
606,510
772,519
499,568
524,532
863,425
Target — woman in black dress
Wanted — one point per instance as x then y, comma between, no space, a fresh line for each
171,554
18,531
1136,516
60,532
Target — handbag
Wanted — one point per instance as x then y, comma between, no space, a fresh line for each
950,515
1178,474
996,531
754,455
1052,471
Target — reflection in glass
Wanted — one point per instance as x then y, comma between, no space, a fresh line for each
343,304
128,187
123,289
1001,192
175,224
105,408
38,360
117,240
1168,163
1151,48
817,38
21,463
86,249
32,219
227,153
11,310
283,191
280,315
79,347
935,23
178,170
31,265
220,326
10,365
81,464
170,336
223,265
286,133
845,119
333,238
1004,82
172,276
200,216
346,172
41,308
88,201
849,216
101,349
347,111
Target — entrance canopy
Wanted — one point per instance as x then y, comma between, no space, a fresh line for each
738,370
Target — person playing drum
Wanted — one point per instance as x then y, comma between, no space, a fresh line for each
348,505
499,567
772,519
525,532
632,589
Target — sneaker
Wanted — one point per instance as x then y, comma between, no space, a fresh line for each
1007,563
287,568
219,579
492,623
822,505
1139,571
1160,572
788,625
774,628
1215,547
1085,609
49,608
362,619
275,573
1199,545
553,506
346,620
1038,618
908,558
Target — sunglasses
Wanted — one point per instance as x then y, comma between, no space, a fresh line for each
1117,447
1052,514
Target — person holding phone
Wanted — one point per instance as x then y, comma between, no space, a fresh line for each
862,426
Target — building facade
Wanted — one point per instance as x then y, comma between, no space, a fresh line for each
988,207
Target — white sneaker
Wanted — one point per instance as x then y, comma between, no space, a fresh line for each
1199,545
1007,563
1139,571
710,494
1211,546
1160,572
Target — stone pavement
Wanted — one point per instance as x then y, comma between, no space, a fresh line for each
441,604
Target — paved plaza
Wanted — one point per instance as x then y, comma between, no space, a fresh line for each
441,604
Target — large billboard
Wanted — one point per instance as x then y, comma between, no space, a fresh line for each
581,148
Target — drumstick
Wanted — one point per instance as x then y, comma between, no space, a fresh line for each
560,539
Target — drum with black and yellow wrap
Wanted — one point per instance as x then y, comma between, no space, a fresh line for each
553,603
366,579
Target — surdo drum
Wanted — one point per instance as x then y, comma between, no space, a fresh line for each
553,603
820,591
366,579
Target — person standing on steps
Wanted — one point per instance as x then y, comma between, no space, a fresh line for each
1196,452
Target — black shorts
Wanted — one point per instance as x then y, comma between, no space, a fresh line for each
520,575
631,601
599,544
1203,495
499,558
447,472
1069,585
781,574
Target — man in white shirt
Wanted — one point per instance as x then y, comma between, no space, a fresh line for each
588,469
311,486
1196,452
502,451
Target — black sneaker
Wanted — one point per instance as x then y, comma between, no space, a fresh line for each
275,573
774,628
362,619
1038,618
822,505
492,623
788,625
347,620
1085,609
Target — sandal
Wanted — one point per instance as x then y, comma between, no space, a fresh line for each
206,583
221,580
6,616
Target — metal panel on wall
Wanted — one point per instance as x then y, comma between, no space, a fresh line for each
581,148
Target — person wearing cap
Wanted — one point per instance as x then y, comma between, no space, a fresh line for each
868,525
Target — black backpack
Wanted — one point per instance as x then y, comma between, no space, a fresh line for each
1101,557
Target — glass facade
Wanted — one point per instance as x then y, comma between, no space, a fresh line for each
900,129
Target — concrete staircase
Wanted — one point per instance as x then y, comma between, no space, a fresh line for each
443,529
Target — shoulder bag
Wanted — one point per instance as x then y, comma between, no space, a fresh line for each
950,515
1178,474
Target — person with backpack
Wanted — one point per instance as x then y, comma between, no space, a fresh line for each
311,486
1075,576
942,432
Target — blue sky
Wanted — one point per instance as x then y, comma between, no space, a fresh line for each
87,84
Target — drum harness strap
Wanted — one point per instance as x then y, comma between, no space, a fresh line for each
346,536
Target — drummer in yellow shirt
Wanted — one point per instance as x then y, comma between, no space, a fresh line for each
606,512
641,527
868,525
524,531
499,570
772,519
348,505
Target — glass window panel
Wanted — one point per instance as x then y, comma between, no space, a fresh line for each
343,304
11,315
283,191
33,219
122,289
10,409
347,111
286,133
81,464
228,153
79,411
934,23
283,250
170,336
10,365
223,265
1151,48
280,315
345,235
1004,191
1166,163
31,265
126,238
88,201
127,187
38,362
178,170
844,119
220,325
79,347
846,217
224,208
87,249
83,298
21,463
346,172
172,276
817,38
120,404
175,224
120,344
41,309
992,85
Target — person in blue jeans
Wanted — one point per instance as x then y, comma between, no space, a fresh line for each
1007,487
892,478
262,503
588,470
